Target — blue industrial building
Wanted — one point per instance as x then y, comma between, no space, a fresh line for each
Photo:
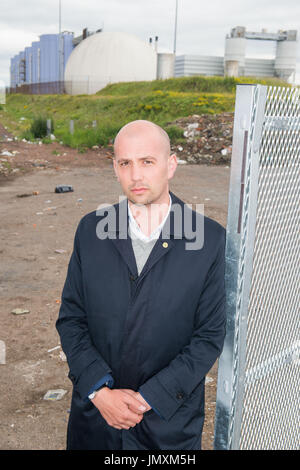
42,62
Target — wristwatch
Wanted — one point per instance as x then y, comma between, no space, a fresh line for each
93,394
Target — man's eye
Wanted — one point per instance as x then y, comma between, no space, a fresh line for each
123,163
148,162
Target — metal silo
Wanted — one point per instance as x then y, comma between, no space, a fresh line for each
165,65
286,56
35,61
49,57
28,64
68,46
235,52
13,71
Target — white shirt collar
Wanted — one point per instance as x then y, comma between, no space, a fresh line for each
135,230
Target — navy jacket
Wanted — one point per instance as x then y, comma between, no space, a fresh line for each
158,333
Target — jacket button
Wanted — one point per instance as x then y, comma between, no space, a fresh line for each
179,396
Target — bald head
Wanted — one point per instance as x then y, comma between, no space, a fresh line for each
143,131
142,163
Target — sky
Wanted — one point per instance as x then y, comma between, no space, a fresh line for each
201,29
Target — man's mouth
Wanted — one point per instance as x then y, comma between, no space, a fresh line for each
138,190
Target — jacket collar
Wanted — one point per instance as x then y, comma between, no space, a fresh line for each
173,226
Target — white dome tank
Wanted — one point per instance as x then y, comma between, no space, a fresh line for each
108,57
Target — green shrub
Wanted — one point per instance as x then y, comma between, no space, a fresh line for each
175,133
39,127
27,134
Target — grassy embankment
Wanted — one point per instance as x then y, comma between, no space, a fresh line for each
160,101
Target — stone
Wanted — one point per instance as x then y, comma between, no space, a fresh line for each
54,395
20,311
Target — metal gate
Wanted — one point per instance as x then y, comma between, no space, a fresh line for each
257,404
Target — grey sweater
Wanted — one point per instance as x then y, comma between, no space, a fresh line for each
142,250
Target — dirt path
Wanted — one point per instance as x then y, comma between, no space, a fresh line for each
32,274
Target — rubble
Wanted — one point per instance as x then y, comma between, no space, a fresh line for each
7,153
208,138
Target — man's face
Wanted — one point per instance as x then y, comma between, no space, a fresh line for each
143,167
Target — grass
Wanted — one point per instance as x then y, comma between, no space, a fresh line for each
160,101
196,84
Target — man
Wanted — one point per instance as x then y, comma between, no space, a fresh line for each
142,318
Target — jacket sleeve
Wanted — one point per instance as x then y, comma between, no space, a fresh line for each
168,389
85,363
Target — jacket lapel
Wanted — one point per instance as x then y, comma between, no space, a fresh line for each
120,238
161,248
122,241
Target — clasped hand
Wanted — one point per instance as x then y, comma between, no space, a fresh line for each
121,408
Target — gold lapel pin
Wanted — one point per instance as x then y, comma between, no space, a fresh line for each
165,244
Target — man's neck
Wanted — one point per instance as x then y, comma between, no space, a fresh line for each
149,216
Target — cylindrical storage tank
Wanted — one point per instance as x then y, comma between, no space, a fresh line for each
28,64
21,68
35,69
286,57
108,57
165,65
49,57
234,57
13,71
232,68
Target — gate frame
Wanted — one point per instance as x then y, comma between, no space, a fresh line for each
242,203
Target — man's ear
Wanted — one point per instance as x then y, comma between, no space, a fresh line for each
115,168
172,165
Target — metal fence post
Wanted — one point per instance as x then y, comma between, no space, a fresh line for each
48,127
72,126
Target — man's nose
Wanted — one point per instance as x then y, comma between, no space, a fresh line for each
136,173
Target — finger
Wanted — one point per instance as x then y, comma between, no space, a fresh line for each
137,412
134,410
134,403
128,425
130,419
129,391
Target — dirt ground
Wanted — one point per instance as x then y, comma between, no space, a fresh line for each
32,273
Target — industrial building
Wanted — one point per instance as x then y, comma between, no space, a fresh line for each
85,64
39,63
235,63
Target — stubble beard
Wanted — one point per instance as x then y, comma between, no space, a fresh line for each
149,200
